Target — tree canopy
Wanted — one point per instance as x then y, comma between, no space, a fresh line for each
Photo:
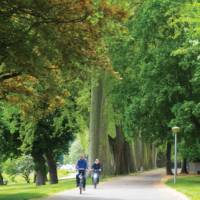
114,75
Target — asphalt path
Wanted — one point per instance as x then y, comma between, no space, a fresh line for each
145,186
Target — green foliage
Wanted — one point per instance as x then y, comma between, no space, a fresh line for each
158,58
25,167
47,51
9,131
54,132
187,113
10,168
75,151
50,51
21,166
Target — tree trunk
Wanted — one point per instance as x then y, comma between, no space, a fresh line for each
154,156
95,120
52,168
40,169
184,166
26,178
168,159
146,155
134,165
121,152
1,179
99,146
140,154
34,177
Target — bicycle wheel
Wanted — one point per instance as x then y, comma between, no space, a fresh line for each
81,189
95,182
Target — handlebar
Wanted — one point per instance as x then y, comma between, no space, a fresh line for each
96,170
81,169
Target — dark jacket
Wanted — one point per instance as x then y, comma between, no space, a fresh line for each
96,166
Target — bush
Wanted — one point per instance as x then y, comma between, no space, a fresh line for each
21,166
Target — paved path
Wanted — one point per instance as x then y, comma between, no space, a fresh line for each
146,186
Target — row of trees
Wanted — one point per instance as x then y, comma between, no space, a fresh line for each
58,78
49,50
157,56
45,140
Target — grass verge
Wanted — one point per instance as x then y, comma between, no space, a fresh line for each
31,191
18,179
189,185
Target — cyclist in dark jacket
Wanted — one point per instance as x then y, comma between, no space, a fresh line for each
81,167
96,167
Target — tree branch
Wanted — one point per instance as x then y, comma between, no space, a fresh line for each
7,75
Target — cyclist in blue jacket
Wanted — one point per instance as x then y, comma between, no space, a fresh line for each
81,167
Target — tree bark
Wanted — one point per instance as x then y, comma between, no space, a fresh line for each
134,165
1,179
168,159
27,178
40,169
146,156
154,156
184,166
52,168
121,152
34,177
140,154
95,120
99,146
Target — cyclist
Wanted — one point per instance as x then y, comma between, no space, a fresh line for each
97,168
81,167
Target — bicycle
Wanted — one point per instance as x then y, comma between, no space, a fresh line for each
81,182
81,179
95,178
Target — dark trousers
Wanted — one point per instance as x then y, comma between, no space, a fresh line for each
84,178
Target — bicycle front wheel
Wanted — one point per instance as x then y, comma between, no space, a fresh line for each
81,190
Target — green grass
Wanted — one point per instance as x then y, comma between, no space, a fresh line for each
189,185
63,173
18,179
27,192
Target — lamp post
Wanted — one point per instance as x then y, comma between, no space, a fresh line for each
175,130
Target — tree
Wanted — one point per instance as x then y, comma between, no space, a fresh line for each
9,134
155,77
75,151
52,47
19,166
1,176
187,113
64,51
53,133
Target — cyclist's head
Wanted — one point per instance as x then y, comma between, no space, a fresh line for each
97,161
82,157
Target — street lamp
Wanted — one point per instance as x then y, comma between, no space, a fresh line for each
175,130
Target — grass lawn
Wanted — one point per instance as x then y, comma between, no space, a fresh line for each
20,180
189,185
30,191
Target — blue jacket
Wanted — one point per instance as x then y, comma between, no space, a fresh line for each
82,163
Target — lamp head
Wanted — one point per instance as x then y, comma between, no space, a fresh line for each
176,129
